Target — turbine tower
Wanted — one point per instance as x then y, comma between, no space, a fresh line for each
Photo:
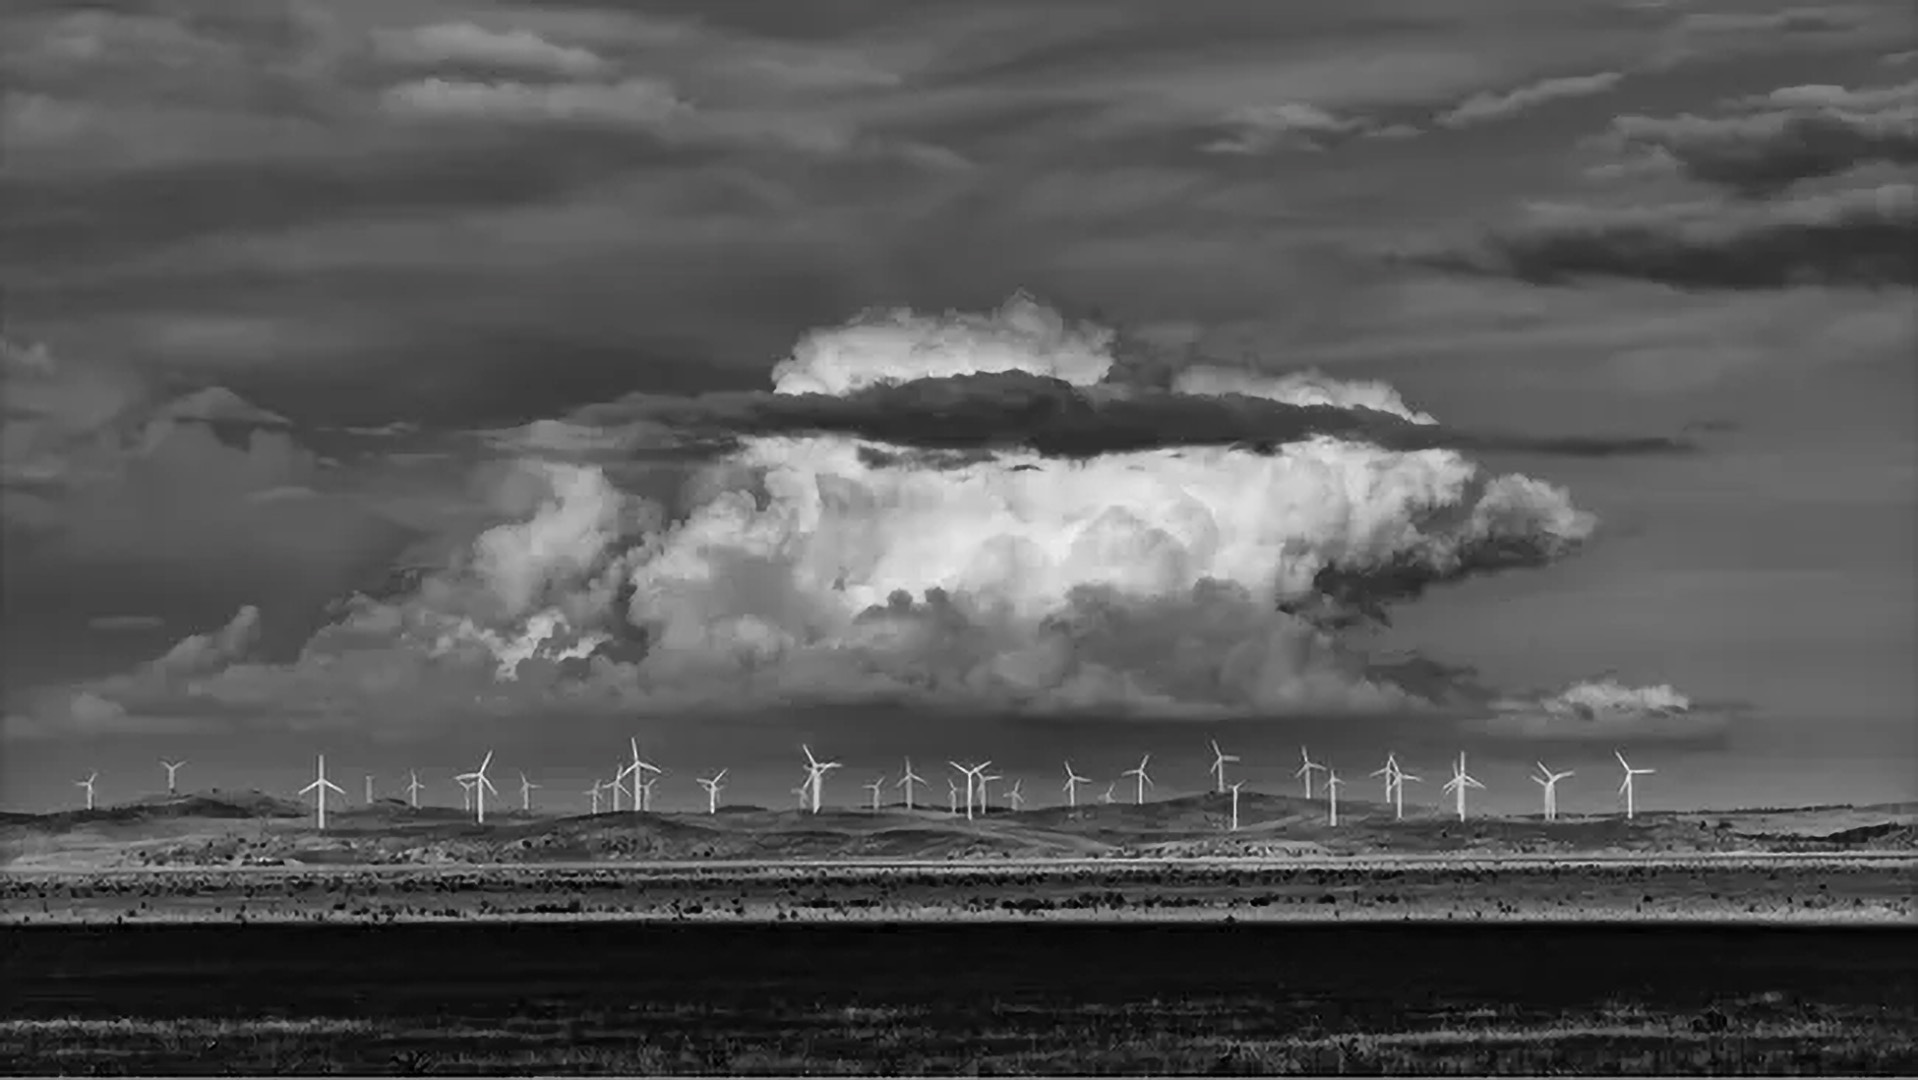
875,787
88,784
172,773
712,784
907,781
1332,785
1073,779
1306,768
321,785
526,789
1625,788
1459,782
1013,798
1219,761
816,771
1548,780
413,786
1235,786
1143,778
481,785
594,792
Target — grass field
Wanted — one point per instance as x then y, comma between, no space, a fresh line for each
637,998
1794,889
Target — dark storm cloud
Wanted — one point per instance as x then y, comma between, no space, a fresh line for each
1856,237
1763,144
1015,409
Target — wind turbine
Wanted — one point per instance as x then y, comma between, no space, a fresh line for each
321,785
1143,778
803,790
875,787
1625,788
712,785
1073,779
1391,774
907,781
971,774
1398,793
172,771
1395,778
594,792
466,792
1305,770
413,786
1013,798
642,791
816,771
1549,781
88,784
1235,803
646,793
526,789
369,789
617,786
1459,782
1332,785
984,779
1107,797
952,795
481,785
1219,760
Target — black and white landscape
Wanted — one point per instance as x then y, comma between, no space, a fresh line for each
878,536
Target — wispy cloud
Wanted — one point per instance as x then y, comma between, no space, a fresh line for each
1763,143
467,43
1859,236
1488,107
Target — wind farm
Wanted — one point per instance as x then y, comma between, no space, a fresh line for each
1258,856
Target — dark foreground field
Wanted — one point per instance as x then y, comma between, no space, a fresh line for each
636,998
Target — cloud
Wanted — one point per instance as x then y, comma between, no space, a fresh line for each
1489,107
634,102
1770,141
1606,711
1294,125
467,43
1863,236
1792,20
1171,581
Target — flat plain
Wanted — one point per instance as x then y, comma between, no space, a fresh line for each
982,998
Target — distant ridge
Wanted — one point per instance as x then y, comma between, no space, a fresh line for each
191,828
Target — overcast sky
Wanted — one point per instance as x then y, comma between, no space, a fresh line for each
399,379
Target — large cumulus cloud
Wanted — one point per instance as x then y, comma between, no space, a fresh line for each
1174,578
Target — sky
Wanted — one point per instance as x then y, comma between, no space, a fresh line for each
405,379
